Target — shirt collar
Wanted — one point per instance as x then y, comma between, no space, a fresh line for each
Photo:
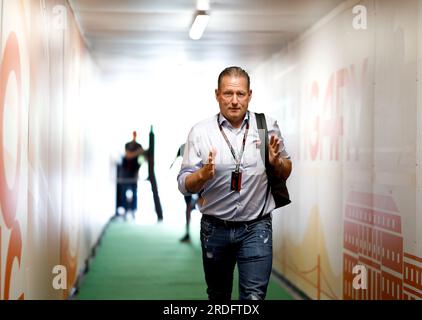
222,119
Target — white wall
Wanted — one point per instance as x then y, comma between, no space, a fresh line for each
55,194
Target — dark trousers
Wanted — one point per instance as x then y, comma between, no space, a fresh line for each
130,204
126,181
247,244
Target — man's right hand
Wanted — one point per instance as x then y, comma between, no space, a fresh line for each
196,181
208,170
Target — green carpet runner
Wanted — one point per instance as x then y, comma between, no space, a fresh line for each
148,262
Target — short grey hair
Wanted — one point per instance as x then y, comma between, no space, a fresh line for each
236,72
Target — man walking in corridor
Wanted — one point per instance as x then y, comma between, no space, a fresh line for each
223,162
130,168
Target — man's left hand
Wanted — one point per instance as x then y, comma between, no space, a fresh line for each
274,151
282,167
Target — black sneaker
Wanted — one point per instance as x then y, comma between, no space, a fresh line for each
186,238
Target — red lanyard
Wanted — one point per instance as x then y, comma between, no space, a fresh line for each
230,145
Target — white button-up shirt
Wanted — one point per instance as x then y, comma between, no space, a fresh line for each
220,200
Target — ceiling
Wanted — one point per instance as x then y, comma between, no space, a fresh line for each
135,35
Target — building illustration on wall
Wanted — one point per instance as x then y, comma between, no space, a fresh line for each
373,238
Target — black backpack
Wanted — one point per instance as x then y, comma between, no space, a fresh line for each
277,185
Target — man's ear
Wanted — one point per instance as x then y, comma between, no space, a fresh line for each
216,94
250,95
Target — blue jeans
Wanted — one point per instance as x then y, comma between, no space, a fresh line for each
247,244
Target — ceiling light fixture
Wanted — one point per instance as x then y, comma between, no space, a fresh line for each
202,5
199,25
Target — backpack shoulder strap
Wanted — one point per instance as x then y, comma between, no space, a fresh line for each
262,125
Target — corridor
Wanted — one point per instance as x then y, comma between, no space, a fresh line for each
97,98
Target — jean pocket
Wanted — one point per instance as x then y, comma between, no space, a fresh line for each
207,229
264,225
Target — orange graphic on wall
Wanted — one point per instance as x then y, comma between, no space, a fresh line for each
311,268
10,64
373,238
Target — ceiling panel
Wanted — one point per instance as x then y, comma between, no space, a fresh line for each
133,33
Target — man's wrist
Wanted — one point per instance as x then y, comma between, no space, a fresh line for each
277,162
202,175
281,163
278,166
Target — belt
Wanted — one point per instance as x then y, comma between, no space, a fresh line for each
229,223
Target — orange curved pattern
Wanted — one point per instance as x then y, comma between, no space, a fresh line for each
10,63
8,197
14,251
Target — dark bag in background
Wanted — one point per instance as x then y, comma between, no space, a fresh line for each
275,184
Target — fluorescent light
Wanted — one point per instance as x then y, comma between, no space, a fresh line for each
199,25
203,5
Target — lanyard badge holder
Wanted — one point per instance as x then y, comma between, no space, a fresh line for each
236,180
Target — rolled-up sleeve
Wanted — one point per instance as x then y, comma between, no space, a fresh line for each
273,129
192,161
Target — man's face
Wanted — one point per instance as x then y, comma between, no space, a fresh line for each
233,97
